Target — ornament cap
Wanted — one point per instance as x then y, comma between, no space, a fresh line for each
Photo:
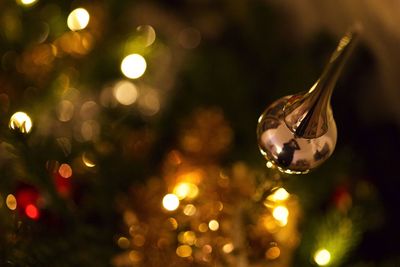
308,115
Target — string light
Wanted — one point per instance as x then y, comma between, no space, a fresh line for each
170,202
78,19
133,66
322,257
20,121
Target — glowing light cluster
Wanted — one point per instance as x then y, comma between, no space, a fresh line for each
21,122
78,19
186,190
322,257
170,202
133,66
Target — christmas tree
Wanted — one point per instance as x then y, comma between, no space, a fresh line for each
128,138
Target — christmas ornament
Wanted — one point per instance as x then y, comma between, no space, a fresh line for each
297,133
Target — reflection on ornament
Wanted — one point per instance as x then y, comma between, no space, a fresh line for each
298,133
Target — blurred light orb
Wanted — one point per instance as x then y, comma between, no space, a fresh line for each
147,33
133,66
27,2
87,159
281,214
78,19
189,210
125,93
32,212
273,253
65,110
65,170
11,202
228,248
184,251
170,202
322,257
280,194
186,190
213,225
20,121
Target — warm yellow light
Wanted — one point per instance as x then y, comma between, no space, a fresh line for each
65,170
86,159
11,202
78,19
322,257
273,253
133,66
27,2
123,242
228,248
270,164
279,195
189,210
184,251
170,202
125,92
135,256
20,121
203,227
213,225
173,223
281,214
183,190
188,237
147,33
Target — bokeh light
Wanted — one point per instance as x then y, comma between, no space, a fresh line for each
147,34
213,225
281,214
228,248
78,19
125,93
133,66
11,202
20,121
65,170
32,211
322,257
26,2
87,159
184,251
186,190
280,194
189,210
273,253
170,202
